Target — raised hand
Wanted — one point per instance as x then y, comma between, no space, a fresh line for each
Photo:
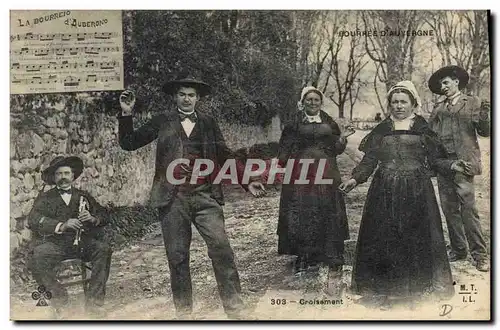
127,102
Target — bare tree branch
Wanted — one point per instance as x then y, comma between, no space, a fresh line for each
376,76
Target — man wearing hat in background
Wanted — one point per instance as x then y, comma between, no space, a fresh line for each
457,119
185,133
65,221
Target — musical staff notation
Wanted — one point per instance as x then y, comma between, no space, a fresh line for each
61,51
66,81
65,65
63,36
82,52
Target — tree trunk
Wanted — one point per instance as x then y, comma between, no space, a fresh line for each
341,109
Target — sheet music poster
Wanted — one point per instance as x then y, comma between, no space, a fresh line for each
65,51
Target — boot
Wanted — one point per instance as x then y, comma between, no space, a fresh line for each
313,265
335,286
300,266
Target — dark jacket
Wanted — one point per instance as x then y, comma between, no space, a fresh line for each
289,146
469,117
49,209
167,129
311,216
371,145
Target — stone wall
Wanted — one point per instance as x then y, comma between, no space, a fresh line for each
42,129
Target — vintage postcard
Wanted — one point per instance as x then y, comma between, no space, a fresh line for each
250,165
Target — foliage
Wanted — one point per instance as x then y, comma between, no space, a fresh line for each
127,223
247,57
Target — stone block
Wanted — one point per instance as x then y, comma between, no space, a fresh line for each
15,210
26,206
25,235
14,242
16,184
51,122
62,147
60,106
111,170
48,139
15,165
38,179
12,150
60,122
38,145
29,165
28,182
59,133
23,145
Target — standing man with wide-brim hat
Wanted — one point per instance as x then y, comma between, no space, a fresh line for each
66,222
186,134
458,119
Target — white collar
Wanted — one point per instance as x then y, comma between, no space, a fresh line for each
183,112
313,116
454,98
403,124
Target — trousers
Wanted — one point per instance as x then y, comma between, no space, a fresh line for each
48,255
195,205
458,202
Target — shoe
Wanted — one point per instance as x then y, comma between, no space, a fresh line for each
299,266
313,271
453,256
335,286
482,265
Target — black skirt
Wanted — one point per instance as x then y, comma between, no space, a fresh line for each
313,222
401,249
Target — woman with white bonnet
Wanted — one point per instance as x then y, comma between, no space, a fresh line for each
312,221
401,251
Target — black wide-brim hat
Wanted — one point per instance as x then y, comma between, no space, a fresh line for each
75,163
201,87
448,71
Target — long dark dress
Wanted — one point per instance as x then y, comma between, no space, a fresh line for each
312,217
401,249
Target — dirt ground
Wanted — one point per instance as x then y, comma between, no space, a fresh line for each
139,289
